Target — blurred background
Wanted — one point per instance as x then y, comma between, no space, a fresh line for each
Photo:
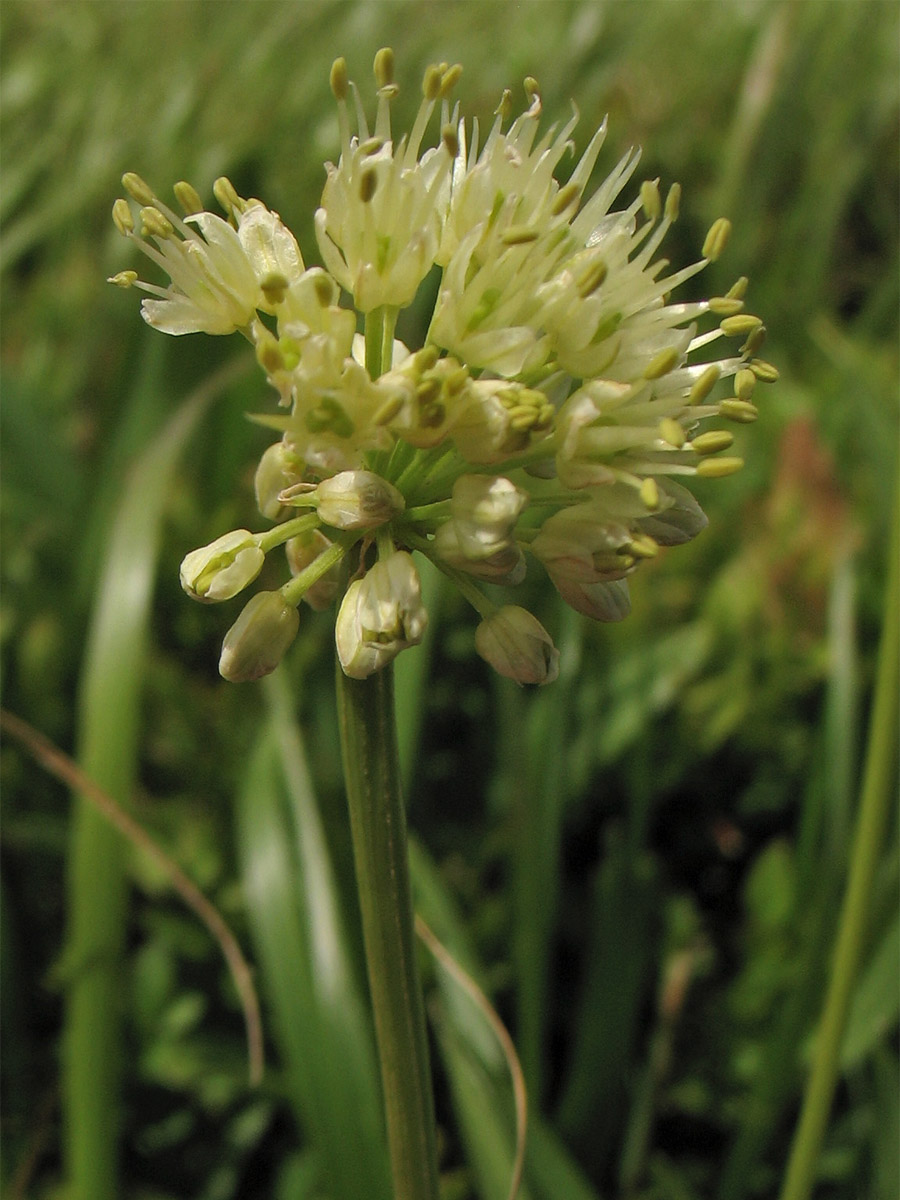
642,864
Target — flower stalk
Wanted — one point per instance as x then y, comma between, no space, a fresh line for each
378,828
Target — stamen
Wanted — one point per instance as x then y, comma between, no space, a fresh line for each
650,201
122,218
188,198
764,371
672,432
649,493
718,468
744,383
741,411
712,442
704,384
124,279
716,239
662,363
384,67
137,188
154,224
673,202
339,80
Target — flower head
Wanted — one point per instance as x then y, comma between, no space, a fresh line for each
556,408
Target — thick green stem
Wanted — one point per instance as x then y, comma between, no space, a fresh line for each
378,826
878,791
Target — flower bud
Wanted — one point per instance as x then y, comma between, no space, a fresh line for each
301,551
503,563
223,568
357,500
259,638
275,473
380,615
517,645
485,509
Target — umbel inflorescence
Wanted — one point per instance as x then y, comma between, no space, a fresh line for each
557,398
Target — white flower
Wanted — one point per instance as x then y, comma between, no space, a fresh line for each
357,500
259,638
517,645
223,568
380,219
380,615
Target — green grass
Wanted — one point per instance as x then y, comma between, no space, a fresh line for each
642,865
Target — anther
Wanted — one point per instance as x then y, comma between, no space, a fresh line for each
154,224
504,108
712,442
591,278
188,198
450,140
716,239
274,287
741,411
564,198
370,146
662,363
650,201
744,383
673,202
137,188
532,91
643,546
124,279
338,79
426,357
226,194
764,371
739,289
739,324
671,431
368,182
383,67
519,235
649,493
755,341
705,384
388,410
450,78
122,218
431,83
718,468
725,306
324,288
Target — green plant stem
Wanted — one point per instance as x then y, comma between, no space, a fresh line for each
875,803
378,827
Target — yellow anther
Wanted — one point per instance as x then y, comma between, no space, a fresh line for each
137,188
450,78
188,198
649,493
124,279
456,381
383,67
226,194
650,201
154,224
428,390
268,354
672,432
662,363
739,289
274,287
764,371
388,410
325,289
755,341
565,197
431,82
521,417
673,202
643,546
716,239
740,324
546,416
532,90
744,383
370,146
718,468
426,358
725,306
338,79
741,411
588,280
450,140
122,218
519,235
705,384
368,182
712,442
504,108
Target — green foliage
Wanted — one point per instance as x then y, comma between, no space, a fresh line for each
642,864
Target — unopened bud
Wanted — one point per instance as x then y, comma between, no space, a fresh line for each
259,638
303,550
223,568
380,615
276,471
357,500
517,645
